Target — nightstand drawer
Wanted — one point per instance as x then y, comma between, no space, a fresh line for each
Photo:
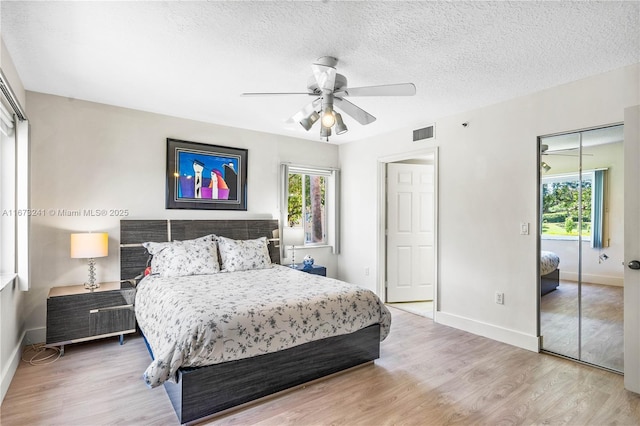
112,319
75,314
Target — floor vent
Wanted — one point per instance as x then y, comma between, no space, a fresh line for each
424,133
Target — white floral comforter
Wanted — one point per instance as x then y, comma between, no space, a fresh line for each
549,262
207,319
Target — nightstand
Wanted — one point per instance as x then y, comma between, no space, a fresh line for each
314,269
75,314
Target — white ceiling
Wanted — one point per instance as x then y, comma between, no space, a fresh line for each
194,59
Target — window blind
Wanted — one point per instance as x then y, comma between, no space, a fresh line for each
6,121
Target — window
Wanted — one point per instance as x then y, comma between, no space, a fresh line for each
7,194
310,204
563,213
15,214
306,206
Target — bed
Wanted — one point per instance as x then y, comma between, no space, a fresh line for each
549,272
219,340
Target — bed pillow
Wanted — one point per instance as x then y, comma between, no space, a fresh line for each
182,258
205,239
243,255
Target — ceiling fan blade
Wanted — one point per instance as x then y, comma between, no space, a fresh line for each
401,89
360,115
544,150
559,153
276,93
565,149
305,111
325,77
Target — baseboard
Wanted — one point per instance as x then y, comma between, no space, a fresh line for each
593,279
501,334
10,367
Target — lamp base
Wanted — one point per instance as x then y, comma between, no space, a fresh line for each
90,286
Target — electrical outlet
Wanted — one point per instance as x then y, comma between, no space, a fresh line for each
499,298
366,272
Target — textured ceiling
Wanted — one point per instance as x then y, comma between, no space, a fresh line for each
194,59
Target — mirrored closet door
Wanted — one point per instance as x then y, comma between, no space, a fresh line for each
581,246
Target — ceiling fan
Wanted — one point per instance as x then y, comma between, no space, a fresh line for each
544,150
330,90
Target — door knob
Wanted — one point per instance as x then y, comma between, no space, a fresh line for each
634,264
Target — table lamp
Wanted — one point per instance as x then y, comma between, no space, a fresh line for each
89,246
293,237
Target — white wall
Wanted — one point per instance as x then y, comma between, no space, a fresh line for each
93,156
11,299
487,187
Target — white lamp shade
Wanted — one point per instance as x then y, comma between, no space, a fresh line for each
89,245
293,236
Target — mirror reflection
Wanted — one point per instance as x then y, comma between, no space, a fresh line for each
581,242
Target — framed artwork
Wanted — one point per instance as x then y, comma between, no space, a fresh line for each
202,176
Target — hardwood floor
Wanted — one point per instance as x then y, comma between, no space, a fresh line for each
428,374
602,323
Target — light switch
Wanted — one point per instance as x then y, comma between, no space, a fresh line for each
524,229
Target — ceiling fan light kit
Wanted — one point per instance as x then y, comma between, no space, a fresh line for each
328,119
329,89
308,121
340,126
325,132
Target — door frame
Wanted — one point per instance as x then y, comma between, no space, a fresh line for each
538,228
631,145
381,257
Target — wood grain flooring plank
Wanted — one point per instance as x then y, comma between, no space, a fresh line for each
602,323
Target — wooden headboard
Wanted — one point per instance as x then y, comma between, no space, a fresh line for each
133,257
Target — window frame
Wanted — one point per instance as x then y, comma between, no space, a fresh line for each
331,206
307,210
587,175
8,222
15,171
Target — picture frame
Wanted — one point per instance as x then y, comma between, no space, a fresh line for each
202,176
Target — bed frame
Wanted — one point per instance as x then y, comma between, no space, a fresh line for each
205,391
549,282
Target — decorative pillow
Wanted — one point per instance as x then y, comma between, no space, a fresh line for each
243,255
181,258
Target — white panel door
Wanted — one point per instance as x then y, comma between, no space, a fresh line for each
632,248
410,232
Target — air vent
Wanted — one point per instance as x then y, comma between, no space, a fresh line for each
424,133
